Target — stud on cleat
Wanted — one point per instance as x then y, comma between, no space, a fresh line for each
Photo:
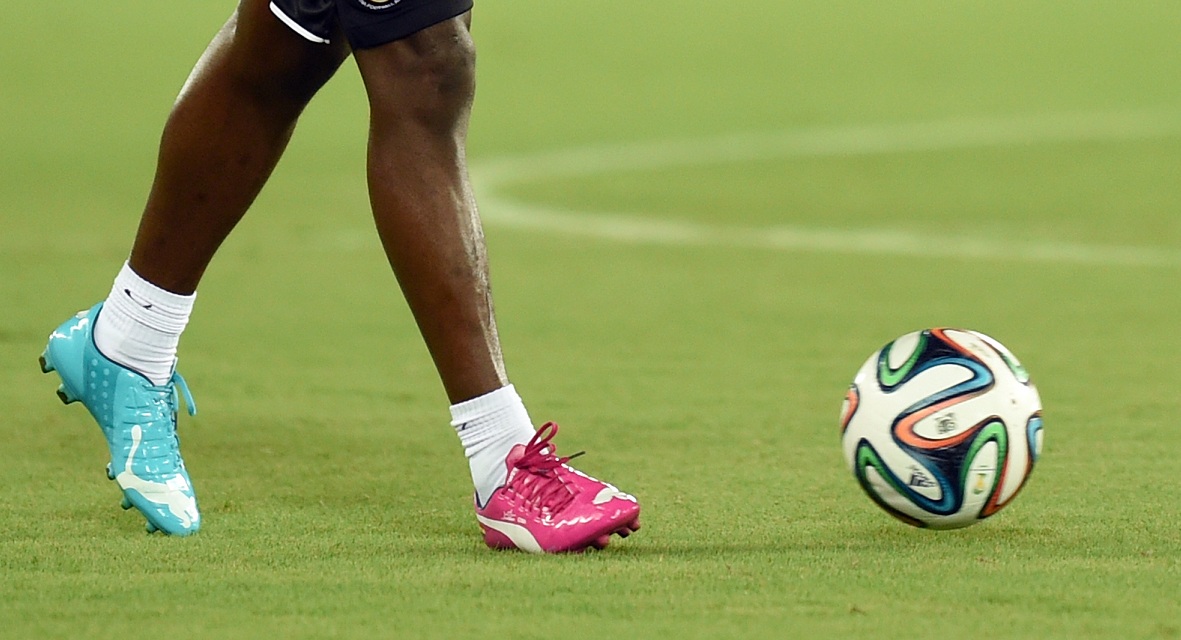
64,395
110,474
151,528
46,365
126,504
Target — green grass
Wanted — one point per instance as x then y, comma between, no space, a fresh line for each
704,378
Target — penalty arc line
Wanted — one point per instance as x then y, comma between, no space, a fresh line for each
492,177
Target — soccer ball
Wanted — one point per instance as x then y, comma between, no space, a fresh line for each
942,427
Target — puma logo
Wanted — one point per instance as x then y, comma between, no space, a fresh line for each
607,493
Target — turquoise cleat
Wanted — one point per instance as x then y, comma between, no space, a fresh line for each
138,419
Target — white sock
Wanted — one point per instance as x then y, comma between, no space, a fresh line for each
489,426
140,325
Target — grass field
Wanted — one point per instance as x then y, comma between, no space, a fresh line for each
701,221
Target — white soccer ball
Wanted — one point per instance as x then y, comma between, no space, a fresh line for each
942,427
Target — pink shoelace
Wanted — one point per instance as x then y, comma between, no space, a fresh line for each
542,485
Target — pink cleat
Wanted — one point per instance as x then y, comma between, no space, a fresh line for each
546,506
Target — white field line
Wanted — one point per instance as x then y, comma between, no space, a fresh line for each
491,178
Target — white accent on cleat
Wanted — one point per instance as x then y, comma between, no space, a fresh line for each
167,494
83,322
607,493
519,535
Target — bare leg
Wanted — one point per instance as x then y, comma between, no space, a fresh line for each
229,127
420,94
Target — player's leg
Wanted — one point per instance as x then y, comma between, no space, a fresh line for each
420,89
224,136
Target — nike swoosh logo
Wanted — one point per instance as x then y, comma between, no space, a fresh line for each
146,306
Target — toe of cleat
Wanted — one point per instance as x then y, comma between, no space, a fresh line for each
171,531
626,530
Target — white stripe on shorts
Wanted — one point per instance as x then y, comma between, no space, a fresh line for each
286,19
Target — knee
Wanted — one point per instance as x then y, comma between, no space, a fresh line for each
272,64
294,82
428,79
447,75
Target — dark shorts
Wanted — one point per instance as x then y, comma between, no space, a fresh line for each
366,23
